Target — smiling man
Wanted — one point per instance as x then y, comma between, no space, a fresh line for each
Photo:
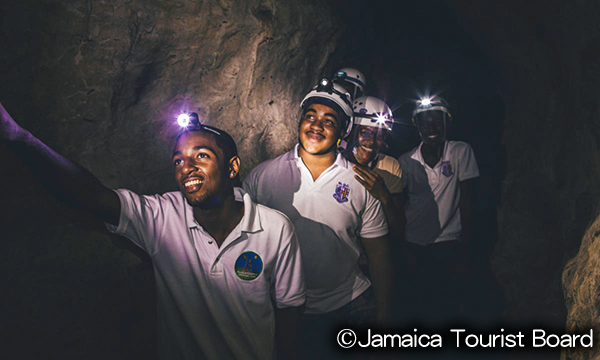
222,263
437,180
335,218
380,174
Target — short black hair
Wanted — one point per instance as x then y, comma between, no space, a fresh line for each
224,141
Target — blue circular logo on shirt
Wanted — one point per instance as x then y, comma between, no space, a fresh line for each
248,265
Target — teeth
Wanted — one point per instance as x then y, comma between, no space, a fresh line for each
366,149
193,182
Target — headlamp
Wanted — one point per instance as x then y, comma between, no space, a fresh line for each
425,102
325,86
183,120
186,120
381,119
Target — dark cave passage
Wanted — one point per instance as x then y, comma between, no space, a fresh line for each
101,83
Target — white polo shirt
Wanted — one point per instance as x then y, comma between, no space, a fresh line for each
390,171
329,215
432,210
215,302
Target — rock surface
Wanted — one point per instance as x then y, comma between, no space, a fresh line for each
546,55
581,278
102,82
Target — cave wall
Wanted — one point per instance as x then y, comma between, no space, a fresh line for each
102,83
122,71
547,56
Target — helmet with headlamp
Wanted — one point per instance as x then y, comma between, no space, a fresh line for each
334,96
432,118
352,80
371,111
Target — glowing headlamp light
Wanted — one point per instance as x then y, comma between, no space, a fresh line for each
185,120
425,102
325,85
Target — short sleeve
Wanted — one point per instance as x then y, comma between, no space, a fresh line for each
289,278
395,183
140,219
373,219
467,165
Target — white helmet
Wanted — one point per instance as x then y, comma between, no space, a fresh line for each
330,94
371,111
432,104
352,80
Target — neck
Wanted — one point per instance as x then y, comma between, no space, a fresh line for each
221,219
432,153
317,163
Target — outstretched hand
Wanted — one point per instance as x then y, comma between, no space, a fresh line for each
9,129
372,182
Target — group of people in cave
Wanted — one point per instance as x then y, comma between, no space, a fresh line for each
334,234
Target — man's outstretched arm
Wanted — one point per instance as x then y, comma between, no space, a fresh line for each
67,180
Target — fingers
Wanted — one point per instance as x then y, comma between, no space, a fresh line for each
367,185
365,173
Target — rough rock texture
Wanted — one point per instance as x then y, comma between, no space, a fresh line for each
581,279
102,82
547,54
115,72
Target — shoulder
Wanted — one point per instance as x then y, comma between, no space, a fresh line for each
459,146
271,165
407,155
460,150
273,223
388,162
273,217
407,158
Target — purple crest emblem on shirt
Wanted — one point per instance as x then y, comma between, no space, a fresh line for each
341,192
447,169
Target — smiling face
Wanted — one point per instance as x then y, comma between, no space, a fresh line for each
319,130
432,128
201,170
370,141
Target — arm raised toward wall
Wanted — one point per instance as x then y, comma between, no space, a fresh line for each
65,179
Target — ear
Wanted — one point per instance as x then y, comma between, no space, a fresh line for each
234,166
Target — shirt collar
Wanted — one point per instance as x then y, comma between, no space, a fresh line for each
250,221
339,159
419,157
